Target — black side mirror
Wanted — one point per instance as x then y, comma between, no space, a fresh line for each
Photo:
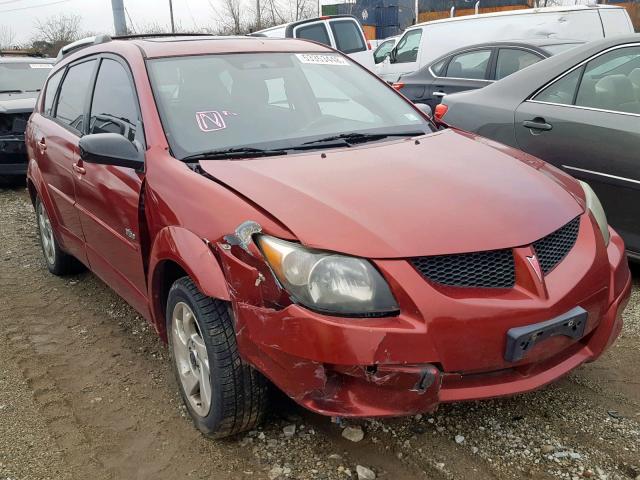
392,55
111,149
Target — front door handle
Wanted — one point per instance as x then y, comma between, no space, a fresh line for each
537,124
78,169
439,94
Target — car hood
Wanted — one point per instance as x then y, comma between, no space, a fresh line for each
450,192
17,102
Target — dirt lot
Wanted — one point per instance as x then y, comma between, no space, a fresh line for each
86,391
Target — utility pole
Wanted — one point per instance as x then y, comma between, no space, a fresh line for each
173,25
258,15
119,21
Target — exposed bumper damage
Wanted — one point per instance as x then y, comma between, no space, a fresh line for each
13,152
445,346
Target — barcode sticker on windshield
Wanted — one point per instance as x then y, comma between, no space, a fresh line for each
320,59
40,65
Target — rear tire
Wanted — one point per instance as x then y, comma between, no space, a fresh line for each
203,348
58,262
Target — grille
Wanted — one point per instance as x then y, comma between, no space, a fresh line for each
552,249
491,269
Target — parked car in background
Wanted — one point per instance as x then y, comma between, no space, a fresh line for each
580,111
475,67
21,78
212,183
423,43
383,48
342,32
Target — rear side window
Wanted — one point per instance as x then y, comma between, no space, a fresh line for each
348,36
73,95
561,91
50,92
316,32
437,68
510,60
114,106
407,49
472,65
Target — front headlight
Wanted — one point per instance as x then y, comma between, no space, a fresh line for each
326,281
594,205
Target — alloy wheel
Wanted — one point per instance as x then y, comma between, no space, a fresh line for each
46,235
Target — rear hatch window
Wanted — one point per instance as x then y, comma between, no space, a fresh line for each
348,36
316,32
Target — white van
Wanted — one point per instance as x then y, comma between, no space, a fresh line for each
426,41
342,32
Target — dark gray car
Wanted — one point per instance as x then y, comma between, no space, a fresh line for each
580,111
21,79
476,66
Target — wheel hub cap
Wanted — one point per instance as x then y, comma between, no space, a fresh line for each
192,360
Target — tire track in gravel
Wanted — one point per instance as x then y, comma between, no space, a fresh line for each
103,386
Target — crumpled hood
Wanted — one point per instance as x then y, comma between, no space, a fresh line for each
17,102
450,193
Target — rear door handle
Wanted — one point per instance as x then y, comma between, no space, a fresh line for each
537,124
439,94
78,169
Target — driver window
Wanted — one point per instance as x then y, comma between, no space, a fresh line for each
383,51
407,49
113,109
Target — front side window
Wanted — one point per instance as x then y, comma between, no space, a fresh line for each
73,95
50,92
114,106
316,32
383,51
408,46
272,101
471,65
23,76
348,36
511,60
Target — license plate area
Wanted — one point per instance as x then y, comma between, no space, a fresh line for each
522,339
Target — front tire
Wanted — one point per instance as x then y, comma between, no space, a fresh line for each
58,262
223,394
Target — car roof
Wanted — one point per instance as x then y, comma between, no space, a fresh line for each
522,11
159,46
25,59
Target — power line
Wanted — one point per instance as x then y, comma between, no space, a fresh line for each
34,6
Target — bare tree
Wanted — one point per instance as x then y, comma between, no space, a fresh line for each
230,17
7,37
56,31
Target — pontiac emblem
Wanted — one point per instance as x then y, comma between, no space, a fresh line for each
533,261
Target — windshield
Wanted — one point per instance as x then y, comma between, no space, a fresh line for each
272,101
23,77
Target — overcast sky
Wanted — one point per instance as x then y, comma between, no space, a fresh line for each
96,14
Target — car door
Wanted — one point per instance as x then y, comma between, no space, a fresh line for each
58,134
464,71
587,122
108,197
404,57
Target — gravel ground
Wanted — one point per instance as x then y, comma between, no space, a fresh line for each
86,391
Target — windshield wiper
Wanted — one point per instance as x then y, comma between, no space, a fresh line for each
363,137
240,152
11,91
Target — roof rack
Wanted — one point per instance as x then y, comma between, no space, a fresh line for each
82,43
160,35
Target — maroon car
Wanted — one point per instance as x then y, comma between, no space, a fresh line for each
278,212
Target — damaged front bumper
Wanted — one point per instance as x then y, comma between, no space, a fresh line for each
446,345
13,155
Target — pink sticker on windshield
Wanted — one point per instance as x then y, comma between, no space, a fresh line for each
210,121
